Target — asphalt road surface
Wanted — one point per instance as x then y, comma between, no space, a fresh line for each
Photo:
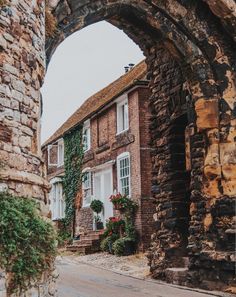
82,280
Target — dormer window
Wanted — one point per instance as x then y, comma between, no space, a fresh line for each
86,136
122,116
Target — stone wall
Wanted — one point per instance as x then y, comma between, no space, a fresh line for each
22,70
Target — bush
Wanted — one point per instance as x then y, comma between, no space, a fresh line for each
124,246
27,243
106,244
96,206
63,237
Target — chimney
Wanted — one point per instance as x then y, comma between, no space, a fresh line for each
129,67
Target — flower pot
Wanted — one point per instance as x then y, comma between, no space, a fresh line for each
99,226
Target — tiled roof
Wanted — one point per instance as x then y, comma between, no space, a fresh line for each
100,99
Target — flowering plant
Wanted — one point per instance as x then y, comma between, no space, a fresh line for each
114,226
119,201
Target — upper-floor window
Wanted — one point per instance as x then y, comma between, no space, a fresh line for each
60,152
122,116
123,168
56,153
57,200
86,188
86,136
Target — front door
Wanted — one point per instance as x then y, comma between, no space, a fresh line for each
102,190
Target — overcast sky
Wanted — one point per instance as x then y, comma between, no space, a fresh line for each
83,64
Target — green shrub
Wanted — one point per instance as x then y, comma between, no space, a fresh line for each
124,246
27,243
106,244
96,206
63,237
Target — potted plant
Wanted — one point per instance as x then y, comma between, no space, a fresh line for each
97,206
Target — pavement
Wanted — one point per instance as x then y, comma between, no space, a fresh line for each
83,280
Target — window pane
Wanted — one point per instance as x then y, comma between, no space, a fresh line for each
126,119
125,176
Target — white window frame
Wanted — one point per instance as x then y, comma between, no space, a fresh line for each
86,127
60,153
49,148
120,118
119,158
57,203
86,203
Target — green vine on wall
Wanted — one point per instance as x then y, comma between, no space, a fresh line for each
73,157
27,243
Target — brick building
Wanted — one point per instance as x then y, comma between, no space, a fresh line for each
117,156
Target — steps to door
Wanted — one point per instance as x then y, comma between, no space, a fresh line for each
87,244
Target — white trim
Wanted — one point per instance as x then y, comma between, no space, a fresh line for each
122,101
49,148
103,166
56,179
86,126
87,170
119,158
57,200
60,142
122,98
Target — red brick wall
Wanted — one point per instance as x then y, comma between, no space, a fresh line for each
106,145
84,220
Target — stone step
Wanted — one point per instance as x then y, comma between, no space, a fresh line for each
87,244
177,275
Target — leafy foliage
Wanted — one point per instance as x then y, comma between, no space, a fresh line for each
121,230
106,244
123,246
73,171
27,242
96,206
63,234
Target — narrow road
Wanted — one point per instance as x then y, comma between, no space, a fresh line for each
82,280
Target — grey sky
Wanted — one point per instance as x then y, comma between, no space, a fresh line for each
83,64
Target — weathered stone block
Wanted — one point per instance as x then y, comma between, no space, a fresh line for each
207,113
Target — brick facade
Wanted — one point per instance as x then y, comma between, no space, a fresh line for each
107,145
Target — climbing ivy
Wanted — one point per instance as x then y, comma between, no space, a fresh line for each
73,155
27,243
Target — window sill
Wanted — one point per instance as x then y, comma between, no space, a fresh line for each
122,140
121,132
102,148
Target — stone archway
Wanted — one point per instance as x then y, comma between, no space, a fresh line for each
189,46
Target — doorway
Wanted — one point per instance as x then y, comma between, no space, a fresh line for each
102,190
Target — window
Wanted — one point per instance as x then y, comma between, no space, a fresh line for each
60,152
86,136
57,201
123,167
86,188
122,116
56,153
52,155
